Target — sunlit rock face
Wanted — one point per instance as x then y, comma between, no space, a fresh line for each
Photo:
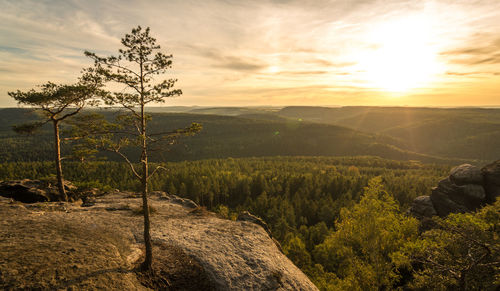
466,174
94,244
466,189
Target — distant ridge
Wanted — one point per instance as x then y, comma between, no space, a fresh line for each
429,135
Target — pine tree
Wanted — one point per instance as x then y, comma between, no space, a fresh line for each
136,67
57,104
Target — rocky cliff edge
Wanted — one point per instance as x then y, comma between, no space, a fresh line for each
97,244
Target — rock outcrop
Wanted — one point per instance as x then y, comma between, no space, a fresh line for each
465,189
27,191
466,174
60,245
247,216
175,199
422,207
491,175
31,191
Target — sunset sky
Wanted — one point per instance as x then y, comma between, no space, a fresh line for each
276,52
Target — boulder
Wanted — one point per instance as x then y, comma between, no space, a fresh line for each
466,174
466,189
26,191
444,205
422,207
491,176
474,192
469,196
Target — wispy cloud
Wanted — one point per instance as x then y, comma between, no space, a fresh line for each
259,52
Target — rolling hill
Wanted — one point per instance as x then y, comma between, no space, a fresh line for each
467,133
257,134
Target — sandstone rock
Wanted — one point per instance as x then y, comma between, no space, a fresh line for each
475,192
466,174
469,196
247,216
160,194
491,174
234,255
422,207
444,205
178,200
466,189
189,203
27,191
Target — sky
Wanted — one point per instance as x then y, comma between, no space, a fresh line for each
274,52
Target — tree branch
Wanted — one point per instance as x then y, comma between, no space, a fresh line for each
155,170
72,113
128,162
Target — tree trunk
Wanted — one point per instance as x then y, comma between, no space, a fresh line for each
60,181
148,261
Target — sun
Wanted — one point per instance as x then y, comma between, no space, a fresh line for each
403,57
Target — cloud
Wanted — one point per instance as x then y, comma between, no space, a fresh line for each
219,59
476,75
327,63
302,72
476,55
227,49
238,64
494,59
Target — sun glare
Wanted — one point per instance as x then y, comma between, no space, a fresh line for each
404,57
273,69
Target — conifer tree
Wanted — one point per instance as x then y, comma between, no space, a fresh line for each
57,104
137,68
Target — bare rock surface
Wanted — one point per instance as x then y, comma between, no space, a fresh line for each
422,207
491,173
247,216
32,191
467,188
444,205
27,191
59,245
466,174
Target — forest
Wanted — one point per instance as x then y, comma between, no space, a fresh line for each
340,219
466,132
251,135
